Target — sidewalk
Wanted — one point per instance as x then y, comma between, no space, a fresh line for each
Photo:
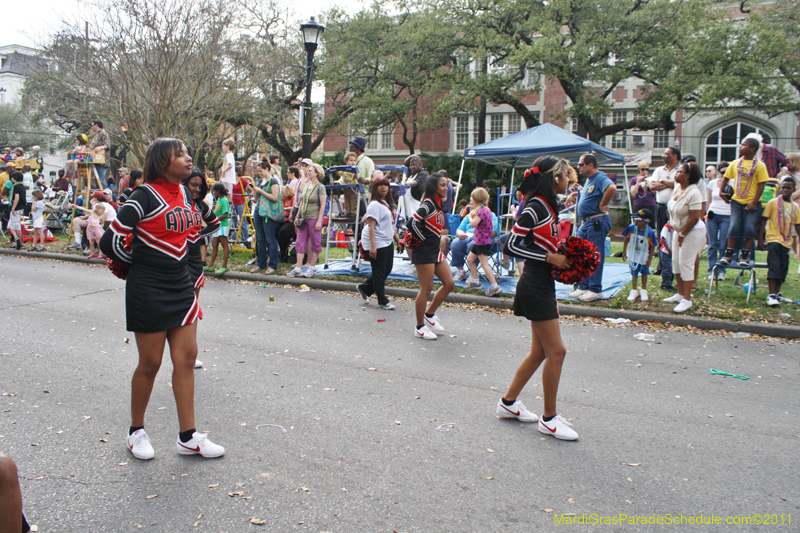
771,330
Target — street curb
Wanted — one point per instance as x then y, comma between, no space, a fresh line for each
770,330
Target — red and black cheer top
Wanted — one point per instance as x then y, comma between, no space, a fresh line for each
428,220
536,232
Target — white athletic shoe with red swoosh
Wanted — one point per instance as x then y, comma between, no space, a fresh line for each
558,427
199,444
515,410
139,445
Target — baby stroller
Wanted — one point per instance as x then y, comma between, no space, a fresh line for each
58,213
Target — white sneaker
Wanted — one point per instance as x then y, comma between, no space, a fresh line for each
198,363
388,306
643,295
772,301
675,298
412,271
683,306
721,276
515,410
199,444
310,272
434,324
425,333
139,445
633,295
473,284
494,289
295,272
577,293
558,427
461,275
590,296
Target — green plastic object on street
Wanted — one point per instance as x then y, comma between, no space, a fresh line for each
721,373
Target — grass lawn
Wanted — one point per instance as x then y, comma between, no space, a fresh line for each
727,303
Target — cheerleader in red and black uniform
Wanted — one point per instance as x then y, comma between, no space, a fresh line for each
150,234
535,238
426,227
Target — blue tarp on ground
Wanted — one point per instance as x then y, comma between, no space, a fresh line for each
615,276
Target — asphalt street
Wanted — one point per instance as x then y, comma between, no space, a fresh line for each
365,407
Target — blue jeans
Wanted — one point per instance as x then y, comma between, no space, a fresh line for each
597,237
667,276
744,223
459,249
238,218
717,231
266,241
101,173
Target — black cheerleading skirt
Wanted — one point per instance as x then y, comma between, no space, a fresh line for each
536,293
427,253
195,268
158,300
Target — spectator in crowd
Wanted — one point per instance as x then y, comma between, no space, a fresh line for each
662,183
27,181
19,154
124,179
462,244
416,181
17,207
227,171
62,183
274,161
7,155
286,227
349,178
718,218
111,211
311,202
111,186
267,214
37,221
101,142
136,180
665,256
378,240
643,197
482,220
780,215
95,220
686,218
642,250
594,222
365,165
222,211
772,158
80,147
748,176
239,198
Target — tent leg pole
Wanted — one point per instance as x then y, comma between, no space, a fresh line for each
455,197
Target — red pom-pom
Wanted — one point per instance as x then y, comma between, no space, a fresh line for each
583,258
118,269
527,174
411,241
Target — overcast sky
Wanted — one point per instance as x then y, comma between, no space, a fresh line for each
41,17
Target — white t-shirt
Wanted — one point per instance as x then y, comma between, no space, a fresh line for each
111,213
229,176
27,181
703,186
718,205
661,174
35,215
384,227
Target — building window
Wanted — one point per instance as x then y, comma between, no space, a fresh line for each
723,144
513,123
602,122
496,127
619,141
660,138
638,115
475,122
387,138
462,132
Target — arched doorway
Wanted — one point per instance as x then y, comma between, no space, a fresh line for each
722,144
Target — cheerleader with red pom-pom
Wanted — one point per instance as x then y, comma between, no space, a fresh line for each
535,238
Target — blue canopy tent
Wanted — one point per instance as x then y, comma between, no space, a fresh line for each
521,150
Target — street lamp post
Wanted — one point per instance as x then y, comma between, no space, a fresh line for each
311,32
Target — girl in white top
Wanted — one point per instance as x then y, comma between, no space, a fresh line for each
686,217
37,218
378,241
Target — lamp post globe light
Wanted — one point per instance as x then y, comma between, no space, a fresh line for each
311,31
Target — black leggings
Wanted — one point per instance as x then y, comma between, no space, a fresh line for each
381,268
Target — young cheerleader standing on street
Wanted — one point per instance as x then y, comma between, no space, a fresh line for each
426,226
535,237
198,188
160,303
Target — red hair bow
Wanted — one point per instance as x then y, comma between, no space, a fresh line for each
535,170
